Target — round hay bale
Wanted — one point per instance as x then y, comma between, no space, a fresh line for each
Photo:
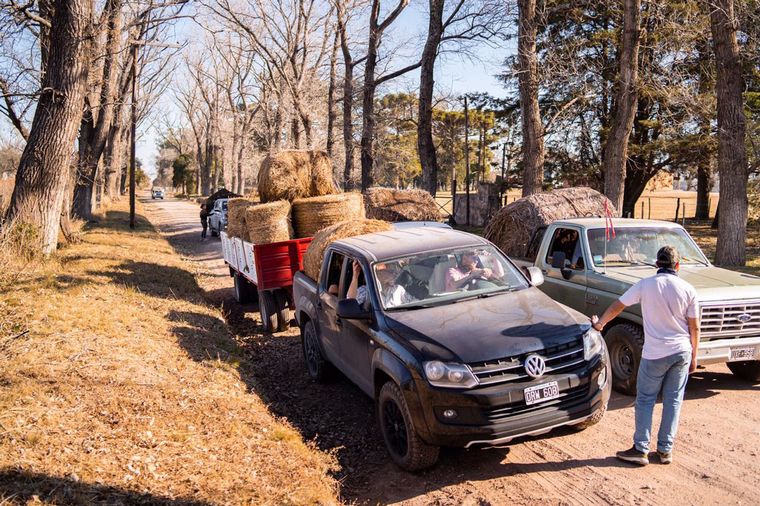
289,175
512,228
315,213
312,259
401,205
267,223
236,226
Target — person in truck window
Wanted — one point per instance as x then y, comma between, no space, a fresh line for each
670,312
470,274
391,293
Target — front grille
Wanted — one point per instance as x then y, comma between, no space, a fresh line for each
565,399
563,358
720,321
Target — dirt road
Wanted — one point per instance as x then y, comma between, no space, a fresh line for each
717,455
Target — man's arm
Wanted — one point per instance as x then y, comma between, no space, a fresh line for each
694,334
615,309
353,287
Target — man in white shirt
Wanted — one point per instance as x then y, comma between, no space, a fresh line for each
670,312
391,293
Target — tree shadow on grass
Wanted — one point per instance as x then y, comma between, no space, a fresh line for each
20,487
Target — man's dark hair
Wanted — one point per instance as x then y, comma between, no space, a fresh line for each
667,257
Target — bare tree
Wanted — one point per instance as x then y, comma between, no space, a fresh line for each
732,154
616,148
532,128
38,194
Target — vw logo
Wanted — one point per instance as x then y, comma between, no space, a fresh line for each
535,366
744,317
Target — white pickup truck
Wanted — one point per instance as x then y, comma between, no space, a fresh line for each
586,271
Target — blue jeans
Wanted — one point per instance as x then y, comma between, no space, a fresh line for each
669,375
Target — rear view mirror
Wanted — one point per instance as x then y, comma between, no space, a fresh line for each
536,276
349,309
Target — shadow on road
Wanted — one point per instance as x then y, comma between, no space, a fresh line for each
21,487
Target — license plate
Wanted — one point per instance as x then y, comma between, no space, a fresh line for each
541,393
742,353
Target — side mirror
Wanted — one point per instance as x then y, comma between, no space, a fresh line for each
558,259
349,309
536,276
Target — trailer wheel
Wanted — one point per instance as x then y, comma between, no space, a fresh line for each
268,311
245,292
283,312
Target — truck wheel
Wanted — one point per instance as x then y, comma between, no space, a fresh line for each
595,418
268,311
405,447
283,313
625,342
747,370
245,292
316,365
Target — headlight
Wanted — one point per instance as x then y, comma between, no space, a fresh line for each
449,375
592,344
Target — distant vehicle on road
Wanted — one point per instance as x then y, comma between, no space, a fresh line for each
450,358
217,217
157,193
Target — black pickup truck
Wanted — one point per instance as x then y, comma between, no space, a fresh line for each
456,345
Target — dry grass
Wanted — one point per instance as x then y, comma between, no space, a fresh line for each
293,174
118,384
315,213
401,205
270,222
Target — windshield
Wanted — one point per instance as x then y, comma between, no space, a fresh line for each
444,276
639,246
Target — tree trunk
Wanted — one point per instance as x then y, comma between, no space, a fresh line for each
332,115
368,100
348,102
425,146
616,148
95,132
44,166
532,128
704,162
732,155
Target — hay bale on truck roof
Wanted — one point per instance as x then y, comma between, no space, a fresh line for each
236,224
289,175
512,228
267,223
223,193
315,253
401,205
315,213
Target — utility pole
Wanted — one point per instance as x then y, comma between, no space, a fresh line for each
467,159
133,143
503,181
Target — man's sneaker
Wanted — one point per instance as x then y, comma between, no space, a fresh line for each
665,457
633,456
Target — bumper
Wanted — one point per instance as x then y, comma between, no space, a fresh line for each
497,414
719,350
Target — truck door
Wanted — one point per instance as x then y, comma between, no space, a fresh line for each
355,337
328,302
564,265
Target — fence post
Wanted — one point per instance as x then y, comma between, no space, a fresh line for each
678,208
650,208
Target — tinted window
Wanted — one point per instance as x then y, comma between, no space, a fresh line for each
332,282
566,241
535,243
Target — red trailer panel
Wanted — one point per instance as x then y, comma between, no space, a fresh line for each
277,263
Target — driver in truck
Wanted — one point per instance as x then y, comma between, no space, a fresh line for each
471,274
670,311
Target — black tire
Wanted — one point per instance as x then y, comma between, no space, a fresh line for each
748,370
316,365
245,292
404,446
595,418
283,312
625,342
268,311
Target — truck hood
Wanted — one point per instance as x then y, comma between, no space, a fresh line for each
491,328
712,283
